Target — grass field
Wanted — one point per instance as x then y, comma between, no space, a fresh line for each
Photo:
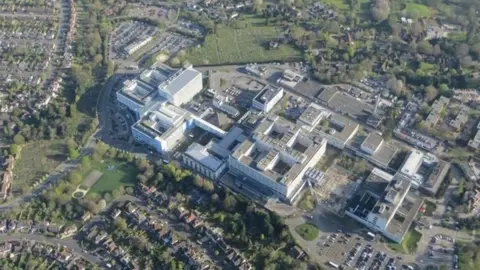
409,243
245,45
120,174
307,231
36,160
420,10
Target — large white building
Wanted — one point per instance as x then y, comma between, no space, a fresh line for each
384,204
181,86
267,98
162,127
277,156
141,93
211,160
425,171
157,84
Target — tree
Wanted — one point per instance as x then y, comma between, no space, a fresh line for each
380,10
396,86
74,177
120,224
197,181
229,203
18,139
430,93
73,154
14,149
85,162
101,205
208,186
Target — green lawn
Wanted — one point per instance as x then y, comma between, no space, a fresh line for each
418,9
307,231
245,45
36,160
409,243
123,174
430,207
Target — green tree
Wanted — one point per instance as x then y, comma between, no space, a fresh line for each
18,139
229,203
73,154
14,149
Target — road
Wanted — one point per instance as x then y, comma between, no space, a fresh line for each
69,243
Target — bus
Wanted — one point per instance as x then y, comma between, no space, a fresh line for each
332,264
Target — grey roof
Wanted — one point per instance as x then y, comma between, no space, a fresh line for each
372,141
201,154
267,93
179,80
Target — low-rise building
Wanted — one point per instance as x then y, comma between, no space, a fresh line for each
266,99
290,78
461,119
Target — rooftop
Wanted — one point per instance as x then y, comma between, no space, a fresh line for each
274,152
160,119
267,94
138,91
313,114
204,156
373,142
340,127
412,163
177,81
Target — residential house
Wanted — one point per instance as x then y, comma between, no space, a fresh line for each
86,216
297,252
190,218
64,256
181,212
69,231
131,208
54,228
102,235
148,191
5,249
115,213
110,245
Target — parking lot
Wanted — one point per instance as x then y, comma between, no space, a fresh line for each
352,251
129,33
168,42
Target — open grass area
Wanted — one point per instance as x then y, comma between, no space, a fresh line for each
246,44
36,160
419,10
115,174
409,243
307,231
308,202
430,207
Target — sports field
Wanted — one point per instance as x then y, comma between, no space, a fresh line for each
114,175
248,43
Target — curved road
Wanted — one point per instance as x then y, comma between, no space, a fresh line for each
70,244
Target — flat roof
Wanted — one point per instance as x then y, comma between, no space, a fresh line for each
138,91
344,127
268,93
313,113
177,81
385,153
411,164
436,178
161,118
345,104
372,141
254,153
202,155
377,181
408,210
